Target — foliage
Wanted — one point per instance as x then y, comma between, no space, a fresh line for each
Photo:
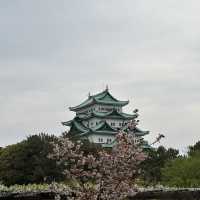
156,160
194,149
27,162
110,175
182,172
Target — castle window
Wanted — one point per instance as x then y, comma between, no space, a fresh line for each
112,124
100,140
109,140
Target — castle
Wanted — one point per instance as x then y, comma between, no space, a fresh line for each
99,118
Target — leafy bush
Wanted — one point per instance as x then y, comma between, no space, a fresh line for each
182,172
27,162
156,160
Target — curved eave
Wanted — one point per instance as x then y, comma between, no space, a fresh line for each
103,95
111,115
95,101
103,126
117,117
106,132
106,94
146,146
116,103
86,103
107,145
78,126
99,99
68,123
91,132
128,116
141,133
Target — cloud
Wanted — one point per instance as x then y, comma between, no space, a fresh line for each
53,53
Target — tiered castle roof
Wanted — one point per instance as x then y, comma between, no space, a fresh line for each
102,98
80,129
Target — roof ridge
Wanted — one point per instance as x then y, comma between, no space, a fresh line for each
100,93
99,98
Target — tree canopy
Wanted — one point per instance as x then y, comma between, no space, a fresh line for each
156,160
27,161
183,171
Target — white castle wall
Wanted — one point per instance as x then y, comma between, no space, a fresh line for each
100,139
115,123
99,108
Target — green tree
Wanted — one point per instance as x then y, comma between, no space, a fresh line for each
27,161
194,149
156,160
182,172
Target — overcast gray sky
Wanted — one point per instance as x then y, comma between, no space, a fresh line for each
52,53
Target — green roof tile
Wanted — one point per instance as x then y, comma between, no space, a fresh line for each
75,125
91,132
68,123
103,126
114,114
104,98
139,132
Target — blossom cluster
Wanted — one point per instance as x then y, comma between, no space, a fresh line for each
108,175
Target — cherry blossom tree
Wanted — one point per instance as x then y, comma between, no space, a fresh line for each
109,175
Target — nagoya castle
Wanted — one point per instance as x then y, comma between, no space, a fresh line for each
99,118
